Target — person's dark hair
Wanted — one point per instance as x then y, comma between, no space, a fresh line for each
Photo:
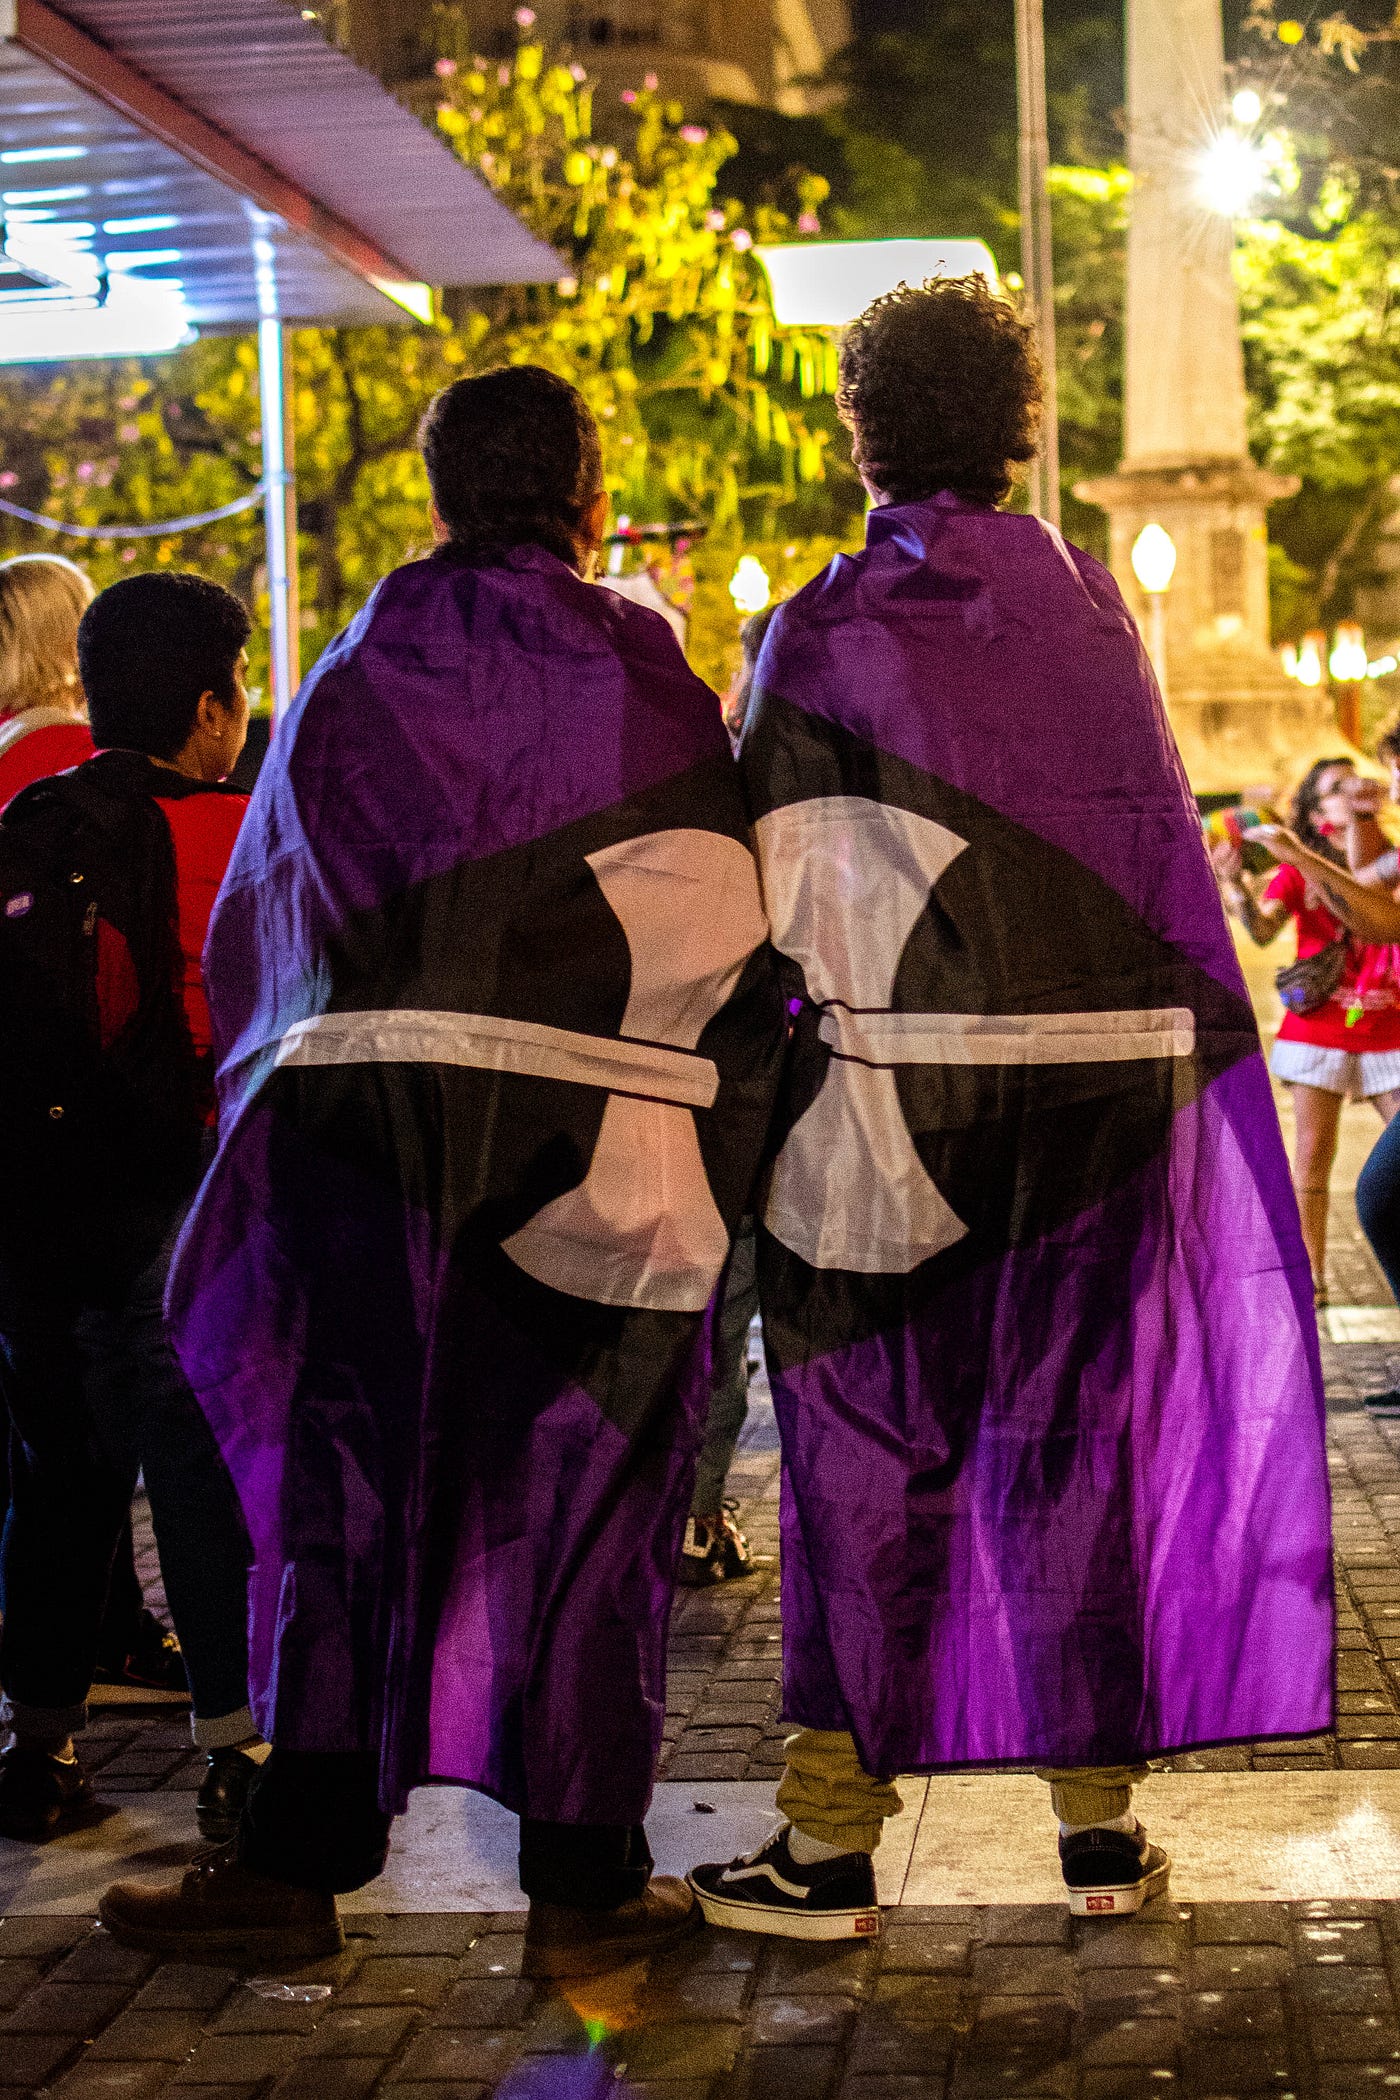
751,637
148,647
1388,743
940,385
513,457
1303,813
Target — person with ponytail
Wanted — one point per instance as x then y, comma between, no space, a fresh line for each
1346,1044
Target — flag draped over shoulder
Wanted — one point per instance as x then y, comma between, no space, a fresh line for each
1036,1305
499,1033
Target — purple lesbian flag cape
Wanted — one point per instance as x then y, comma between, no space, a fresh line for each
1036,1306
498,1032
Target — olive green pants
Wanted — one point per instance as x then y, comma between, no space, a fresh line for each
825,1794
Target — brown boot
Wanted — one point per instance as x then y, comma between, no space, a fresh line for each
221,1912
561,1942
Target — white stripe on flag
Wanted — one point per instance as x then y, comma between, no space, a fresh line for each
1010,1039
487,1043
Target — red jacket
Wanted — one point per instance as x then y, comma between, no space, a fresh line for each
203,824
41,741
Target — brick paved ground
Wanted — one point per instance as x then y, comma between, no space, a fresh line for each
1213,2001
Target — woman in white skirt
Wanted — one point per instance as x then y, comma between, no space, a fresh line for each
1347,1048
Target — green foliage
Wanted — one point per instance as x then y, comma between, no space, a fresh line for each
662,319
1323,355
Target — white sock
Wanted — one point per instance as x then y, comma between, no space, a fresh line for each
809,1851
1127,1823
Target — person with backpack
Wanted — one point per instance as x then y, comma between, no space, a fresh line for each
44,730
108,875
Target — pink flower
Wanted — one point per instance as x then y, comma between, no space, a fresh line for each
524,17
714,221
86,470
694,134
629,96
445,68
741,238
503,76
809,223
651,83
9,480
129,433
128,554
578,72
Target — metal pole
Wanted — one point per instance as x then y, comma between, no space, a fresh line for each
1037,251
280,511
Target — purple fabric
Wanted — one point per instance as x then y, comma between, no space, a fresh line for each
465,1492
1068,1502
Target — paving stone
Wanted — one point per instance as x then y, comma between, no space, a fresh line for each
1130,1943
1336,2036
17,1977
101,1959
485,2001
707,1765
1136,2040
933,1948
1248,2012
1237,1966
361,2030
921,2001
41,1939
1339,1940
184,1986
861,2087
1251,1923
141,2036
231,2059
1370,1757
64,2008
1024,1925
450,2089
691,2049
427,1933
1127,2081
842,1967
1023,1972
1123,1994
459,2052
97,2079
1347,1988
25,2059
705,1994
880,2048
322,2078
495,1953
784,2074
401,1979
805,2021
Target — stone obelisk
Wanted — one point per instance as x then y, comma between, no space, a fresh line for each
1186,466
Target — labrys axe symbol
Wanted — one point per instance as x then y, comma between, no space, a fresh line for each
845,880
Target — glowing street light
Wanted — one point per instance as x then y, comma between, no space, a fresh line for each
1247,107
749,586
1154,565
1230,174
1349,662
829,284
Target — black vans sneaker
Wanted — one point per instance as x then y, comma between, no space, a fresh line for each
767,1891
715,1550
1384,1405
1111,1872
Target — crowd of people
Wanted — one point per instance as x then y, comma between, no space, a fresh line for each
395,1163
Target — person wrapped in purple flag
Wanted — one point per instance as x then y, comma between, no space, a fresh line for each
499,1033
1036,1307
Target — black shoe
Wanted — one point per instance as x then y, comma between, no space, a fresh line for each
1111,1872
41,1796
1384,1405
221,1799
715,1550
151,1674
767,1891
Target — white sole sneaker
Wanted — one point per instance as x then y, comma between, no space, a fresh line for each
1119,1902
780,1922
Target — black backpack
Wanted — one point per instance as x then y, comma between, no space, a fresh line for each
101,1095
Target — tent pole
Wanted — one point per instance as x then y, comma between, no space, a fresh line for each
280,512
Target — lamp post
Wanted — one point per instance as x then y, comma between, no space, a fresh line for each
1037,249
1154,565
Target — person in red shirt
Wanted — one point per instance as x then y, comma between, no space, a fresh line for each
1347,1048
90,1380
43,717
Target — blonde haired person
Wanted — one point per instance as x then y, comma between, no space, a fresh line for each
43,716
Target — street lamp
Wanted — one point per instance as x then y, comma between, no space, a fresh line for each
1154,565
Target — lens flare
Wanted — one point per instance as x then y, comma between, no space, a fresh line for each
1230,175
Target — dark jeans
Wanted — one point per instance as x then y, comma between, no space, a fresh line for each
1378,1203
729,1377
95,1396
314,1820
